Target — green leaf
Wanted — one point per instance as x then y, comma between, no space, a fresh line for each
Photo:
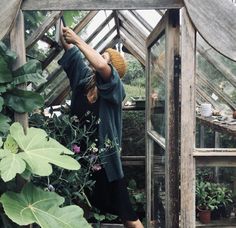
38,150
29,72
4,123
35,78
10,165
10,144
34,205
1,103
32,66
8,55
3,89
23,101
5,72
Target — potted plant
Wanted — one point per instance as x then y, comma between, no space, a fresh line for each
210,196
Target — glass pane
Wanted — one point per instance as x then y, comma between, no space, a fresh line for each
216,189
215,89
158,187
157,94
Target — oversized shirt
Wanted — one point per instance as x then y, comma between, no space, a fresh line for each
111,95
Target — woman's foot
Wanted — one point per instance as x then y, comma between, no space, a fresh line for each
134,224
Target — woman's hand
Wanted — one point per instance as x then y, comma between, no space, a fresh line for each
69,35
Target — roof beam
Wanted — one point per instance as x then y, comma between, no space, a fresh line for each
137,43
44,27
141,20
101,4
136,52
99,28
126,17
111,44
203,78
105,37
77,29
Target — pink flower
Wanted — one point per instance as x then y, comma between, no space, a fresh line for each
76,148
96,167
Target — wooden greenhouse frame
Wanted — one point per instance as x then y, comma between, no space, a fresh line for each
182,157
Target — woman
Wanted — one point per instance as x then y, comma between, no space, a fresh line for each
98,89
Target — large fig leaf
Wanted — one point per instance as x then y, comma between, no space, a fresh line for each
33,205
29,72
23,101
10,165
38,150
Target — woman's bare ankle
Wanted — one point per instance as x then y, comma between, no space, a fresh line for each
133,224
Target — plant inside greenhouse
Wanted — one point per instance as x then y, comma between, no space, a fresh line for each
117,114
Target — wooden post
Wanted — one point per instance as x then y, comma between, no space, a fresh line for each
17,39
172,120
188,65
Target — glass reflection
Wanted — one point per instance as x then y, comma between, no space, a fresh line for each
157,90
158,187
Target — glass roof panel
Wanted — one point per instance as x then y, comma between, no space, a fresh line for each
94,23
152,17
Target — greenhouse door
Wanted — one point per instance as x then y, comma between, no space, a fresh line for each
162,118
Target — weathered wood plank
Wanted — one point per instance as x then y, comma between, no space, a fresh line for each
108,34
218,126
187,171
8,13
17,39
172,121
216,162
85,21
214,152
134,49
133,39
216,22
44,27
102,4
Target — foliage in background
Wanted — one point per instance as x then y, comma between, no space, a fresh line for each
12,98
30,154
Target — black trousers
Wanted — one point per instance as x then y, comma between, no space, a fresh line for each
112,197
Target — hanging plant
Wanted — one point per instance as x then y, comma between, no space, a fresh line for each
16,99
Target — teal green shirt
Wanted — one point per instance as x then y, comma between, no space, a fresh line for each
111,95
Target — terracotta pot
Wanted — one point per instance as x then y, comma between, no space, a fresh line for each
205,216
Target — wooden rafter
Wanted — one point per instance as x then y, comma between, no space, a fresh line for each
136,42
77,29
203,78
42,29
141,20
109,33
125,17
133,49
134,32
99,28
98,5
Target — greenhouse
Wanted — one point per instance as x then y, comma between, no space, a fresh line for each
178,142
